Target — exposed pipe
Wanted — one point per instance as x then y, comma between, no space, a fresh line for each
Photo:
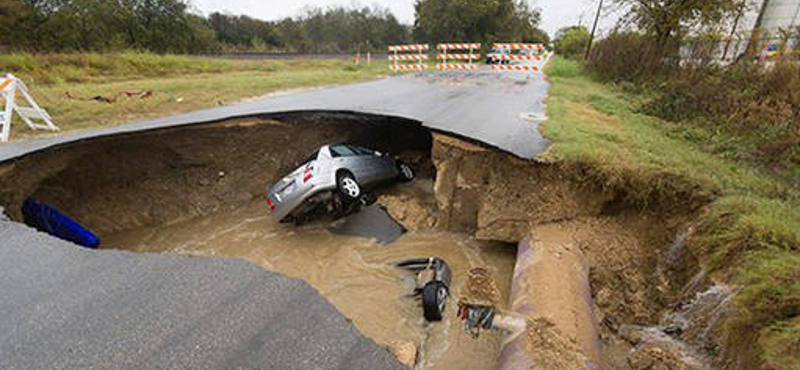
539,265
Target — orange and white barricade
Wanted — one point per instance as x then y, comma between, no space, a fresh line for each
411,57
466,54
9,87
528,57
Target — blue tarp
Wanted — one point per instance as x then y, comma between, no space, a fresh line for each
48,219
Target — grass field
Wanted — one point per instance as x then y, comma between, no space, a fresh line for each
65,84
748,233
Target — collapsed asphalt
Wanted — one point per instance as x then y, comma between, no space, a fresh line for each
370,222
70,308
501,109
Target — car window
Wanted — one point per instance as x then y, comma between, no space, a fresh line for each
342,151
361,151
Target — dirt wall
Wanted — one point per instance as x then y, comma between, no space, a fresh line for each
499,197
624,247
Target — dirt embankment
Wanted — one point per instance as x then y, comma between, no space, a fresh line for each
621,248
166,176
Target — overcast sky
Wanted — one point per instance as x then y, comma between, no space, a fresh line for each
555,13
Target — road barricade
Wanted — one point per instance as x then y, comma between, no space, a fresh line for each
465,53
10,86
528,57
410,57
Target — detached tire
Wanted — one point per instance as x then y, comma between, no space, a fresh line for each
434,296
348,186
406,172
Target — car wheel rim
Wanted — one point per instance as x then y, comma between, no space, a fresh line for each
350,187
441,296
407,171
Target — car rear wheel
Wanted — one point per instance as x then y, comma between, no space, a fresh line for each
406,172
348,186
434,296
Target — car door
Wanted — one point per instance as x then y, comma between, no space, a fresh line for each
346,158
385,167
373,164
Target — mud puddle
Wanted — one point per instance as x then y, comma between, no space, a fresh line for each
355,274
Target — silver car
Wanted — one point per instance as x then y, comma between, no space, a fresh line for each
332,176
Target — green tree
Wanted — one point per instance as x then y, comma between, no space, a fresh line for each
667,21
482,21
571,42
538,36
14,18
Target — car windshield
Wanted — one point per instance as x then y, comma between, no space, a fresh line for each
342,151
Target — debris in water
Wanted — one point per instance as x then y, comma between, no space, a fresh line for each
371,222
409,211
433,284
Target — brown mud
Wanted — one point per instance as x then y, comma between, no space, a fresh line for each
356,275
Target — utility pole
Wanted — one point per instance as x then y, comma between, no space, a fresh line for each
733,31
594,29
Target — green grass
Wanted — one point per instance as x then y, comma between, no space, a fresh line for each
596,124
65,83
749,228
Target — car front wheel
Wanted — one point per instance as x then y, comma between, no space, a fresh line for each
349,187
406,172
434,295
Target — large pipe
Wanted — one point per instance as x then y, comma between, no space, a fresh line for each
551,281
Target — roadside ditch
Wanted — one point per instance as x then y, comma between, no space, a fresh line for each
625,292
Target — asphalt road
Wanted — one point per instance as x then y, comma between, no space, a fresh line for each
69,308
501,109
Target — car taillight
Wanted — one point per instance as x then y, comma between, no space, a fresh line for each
269,203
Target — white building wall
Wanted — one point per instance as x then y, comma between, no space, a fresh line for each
778,14
781,14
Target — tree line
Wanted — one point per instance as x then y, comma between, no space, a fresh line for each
173,26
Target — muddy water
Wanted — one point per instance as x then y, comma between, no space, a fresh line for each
355,274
